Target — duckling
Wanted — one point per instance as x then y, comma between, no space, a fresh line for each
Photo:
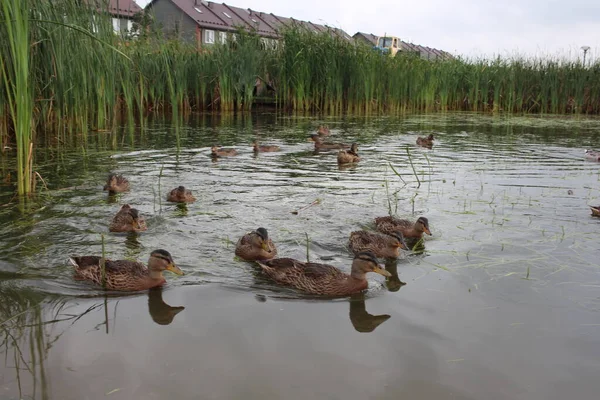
425,142
595,211
264,148
389,225
382,245
217,151
125,275
127,220
323,279
349,156
116,184
321,145
592,155
323,130
181,195
256,246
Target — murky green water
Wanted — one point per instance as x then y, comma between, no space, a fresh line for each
503,303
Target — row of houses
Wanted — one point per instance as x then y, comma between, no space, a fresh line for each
206,23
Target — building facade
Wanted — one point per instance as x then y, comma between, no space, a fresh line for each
423,52
206,23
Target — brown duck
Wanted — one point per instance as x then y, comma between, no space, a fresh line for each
323,279
425,141
181,195
125,275
348,156
323,130
127,220
380,244
264,148
321,145
256,246
217,151
389,225
116,184
595,211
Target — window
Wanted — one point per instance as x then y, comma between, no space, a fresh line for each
209,36
116,22
129,25
222,37
253,20
198,9
227,15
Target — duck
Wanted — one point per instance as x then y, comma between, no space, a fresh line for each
592,155
425,141
323,130
264,148
389,225
217,151
595,211
125,275
181,195
380,244
323,279
256,245
116,184
321,145
128,219
348,156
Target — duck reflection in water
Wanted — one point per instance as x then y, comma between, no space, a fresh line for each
393,283
360,318
161,312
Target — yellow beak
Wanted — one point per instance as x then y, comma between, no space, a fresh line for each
174,269
265,247
381,271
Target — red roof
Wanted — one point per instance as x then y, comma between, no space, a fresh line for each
224,17
118,8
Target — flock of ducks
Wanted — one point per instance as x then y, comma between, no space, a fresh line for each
392,235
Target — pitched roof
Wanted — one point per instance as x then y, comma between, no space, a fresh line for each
117,8
225,17
423,51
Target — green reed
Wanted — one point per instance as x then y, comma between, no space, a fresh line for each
65,71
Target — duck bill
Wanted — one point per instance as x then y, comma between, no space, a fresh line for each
265,247
381,271
427,231
174,269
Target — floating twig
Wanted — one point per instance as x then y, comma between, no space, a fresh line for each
317,201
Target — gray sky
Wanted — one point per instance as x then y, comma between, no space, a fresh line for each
468,27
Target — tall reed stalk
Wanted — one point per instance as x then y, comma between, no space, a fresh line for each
18,88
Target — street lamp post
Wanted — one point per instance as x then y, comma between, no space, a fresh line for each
585,50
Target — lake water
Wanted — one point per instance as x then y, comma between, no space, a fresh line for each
503,303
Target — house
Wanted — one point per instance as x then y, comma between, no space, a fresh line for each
424,52
120,11
206,23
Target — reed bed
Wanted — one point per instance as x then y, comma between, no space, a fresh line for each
65,71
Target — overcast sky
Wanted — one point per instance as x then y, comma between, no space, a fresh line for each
467,27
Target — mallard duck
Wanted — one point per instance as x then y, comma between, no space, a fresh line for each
256,246
116,184
217,151
181,195
321,145
595,211
349,156
389,225
323,130
323,279
125,275
426,141
382,245
128,220
258,148
592,155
